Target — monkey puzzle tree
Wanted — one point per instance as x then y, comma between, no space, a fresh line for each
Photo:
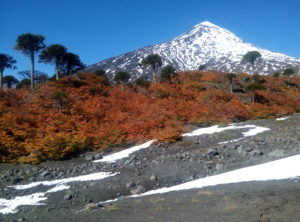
142,82
71,63
10,80
54,54
230,77
167,72
6,62
30,44
59,97
154,61
254,85
122,77
250,57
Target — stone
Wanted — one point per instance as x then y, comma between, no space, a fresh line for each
138,190
153,177
98,156
17,180
133,157
212,152
219,166
130,184
277,153
256,153
68,196
127,162
45,173
89,157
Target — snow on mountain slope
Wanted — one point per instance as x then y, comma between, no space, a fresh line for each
205,43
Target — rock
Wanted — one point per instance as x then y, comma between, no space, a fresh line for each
68,196
21,219
127,162
277,153
98,156
249,149
153,177
212,152
256,153
138,163
45,173
219,166
17,180
138,190
89,157
130,184
133,157
89,207
155,162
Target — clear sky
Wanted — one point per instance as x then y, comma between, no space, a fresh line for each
99,29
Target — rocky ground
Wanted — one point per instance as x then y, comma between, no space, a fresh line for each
164,165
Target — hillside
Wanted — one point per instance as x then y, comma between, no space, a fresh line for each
205,44
76,114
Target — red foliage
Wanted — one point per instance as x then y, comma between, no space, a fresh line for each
96,115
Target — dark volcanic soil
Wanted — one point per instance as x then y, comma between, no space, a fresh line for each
164,165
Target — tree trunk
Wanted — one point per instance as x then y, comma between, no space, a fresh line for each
253,97
154,72
1,78
230,88
60,105
154,76
32,71
57,72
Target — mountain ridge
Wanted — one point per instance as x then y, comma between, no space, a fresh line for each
204,44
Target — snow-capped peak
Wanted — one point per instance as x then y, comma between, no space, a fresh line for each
205,44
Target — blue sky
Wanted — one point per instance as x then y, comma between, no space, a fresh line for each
99,29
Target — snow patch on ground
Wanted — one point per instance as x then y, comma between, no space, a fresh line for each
254,130
275,170
10,206
124,153
88,177
282,118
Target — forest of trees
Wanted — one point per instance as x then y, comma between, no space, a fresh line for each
75,111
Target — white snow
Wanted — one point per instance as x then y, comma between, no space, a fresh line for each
254,130
275,170
88,177
282,118
11,205
124,153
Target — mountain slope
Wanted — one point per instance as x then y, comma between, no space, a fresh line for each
205,43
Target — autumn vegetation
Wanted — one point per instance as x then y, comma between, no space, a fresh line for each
87,112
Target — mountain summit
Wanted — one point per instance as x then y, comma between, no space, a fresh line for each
205,44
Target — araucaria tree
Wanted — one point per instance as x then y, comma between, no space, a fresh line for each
254,85
59,96
230,77
250,57
167,72
54,54
71,63
6,62
122,77
154,61
30,44
10,80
